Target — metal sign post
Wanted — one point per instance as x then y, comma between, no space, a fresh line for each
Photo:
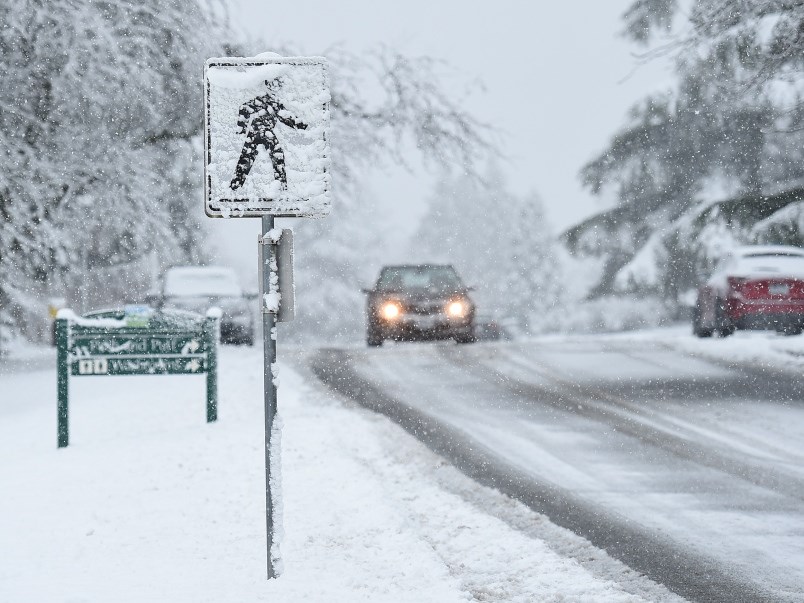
266,124
277,299
269,363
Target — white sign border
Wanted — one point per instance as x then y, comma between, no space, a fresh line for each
255,62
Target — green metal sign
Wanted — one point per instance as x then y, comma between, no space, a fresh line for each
111,343
134,365
139,343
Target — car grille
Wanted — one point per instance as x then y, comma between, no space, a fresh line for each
424,308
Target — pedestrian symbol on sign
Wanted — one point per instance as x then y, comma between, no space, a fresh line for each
266,141
264,112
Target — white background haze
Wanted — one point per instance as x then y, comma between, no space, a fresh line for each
557,80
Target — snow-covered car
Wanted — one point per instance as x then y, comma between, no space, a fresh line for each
198,288
754,287
424,301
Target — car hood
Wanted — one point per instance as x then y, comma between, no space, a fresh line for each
421,295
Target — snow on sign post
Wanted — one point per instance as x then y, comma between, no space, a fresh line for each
266,155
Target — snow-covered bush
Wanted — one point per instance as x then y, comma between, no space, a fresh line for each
613,313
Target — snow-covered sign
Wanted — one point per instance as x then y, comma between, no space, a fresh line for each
266,127
169,342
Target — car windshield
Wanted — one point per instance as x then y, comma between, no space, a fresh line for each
399,278
200,282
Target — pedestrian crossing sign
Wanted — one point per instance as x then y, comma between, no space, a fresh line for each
266,137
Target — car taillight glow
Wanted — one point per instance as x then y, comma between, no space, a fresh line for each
391,310
456,309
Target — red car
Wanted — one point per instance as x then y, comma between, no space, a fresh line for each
757,287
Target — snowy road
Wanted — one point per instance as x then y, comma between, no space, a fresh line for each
686,469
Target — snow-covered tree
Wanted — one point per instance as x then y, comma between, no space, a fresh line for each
729,134
97,99
99,147
499,242
752,42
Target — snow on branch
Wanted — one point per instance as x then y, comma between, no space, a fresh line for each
383,102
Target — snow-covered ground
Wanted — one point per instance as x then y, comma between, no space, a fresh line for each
150,503
760,349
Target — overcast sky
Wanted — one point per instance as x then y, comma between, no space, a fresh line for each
556,74
558,80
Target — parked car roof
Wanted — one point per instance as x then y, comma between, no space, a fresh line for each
768,250
762,261
201,281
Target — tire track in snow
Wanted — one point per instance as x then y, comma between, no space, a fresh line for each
623,415
686,573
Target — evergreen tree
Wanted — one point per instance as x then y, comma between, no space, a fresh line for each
729,131
500,243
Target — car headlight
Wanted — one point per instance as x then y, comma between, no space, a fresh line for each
457,309
390,310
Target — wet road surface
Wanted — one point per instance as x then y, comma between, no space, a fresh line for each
688,471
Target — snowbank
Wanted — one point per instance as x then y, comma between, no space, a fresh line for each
150,503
